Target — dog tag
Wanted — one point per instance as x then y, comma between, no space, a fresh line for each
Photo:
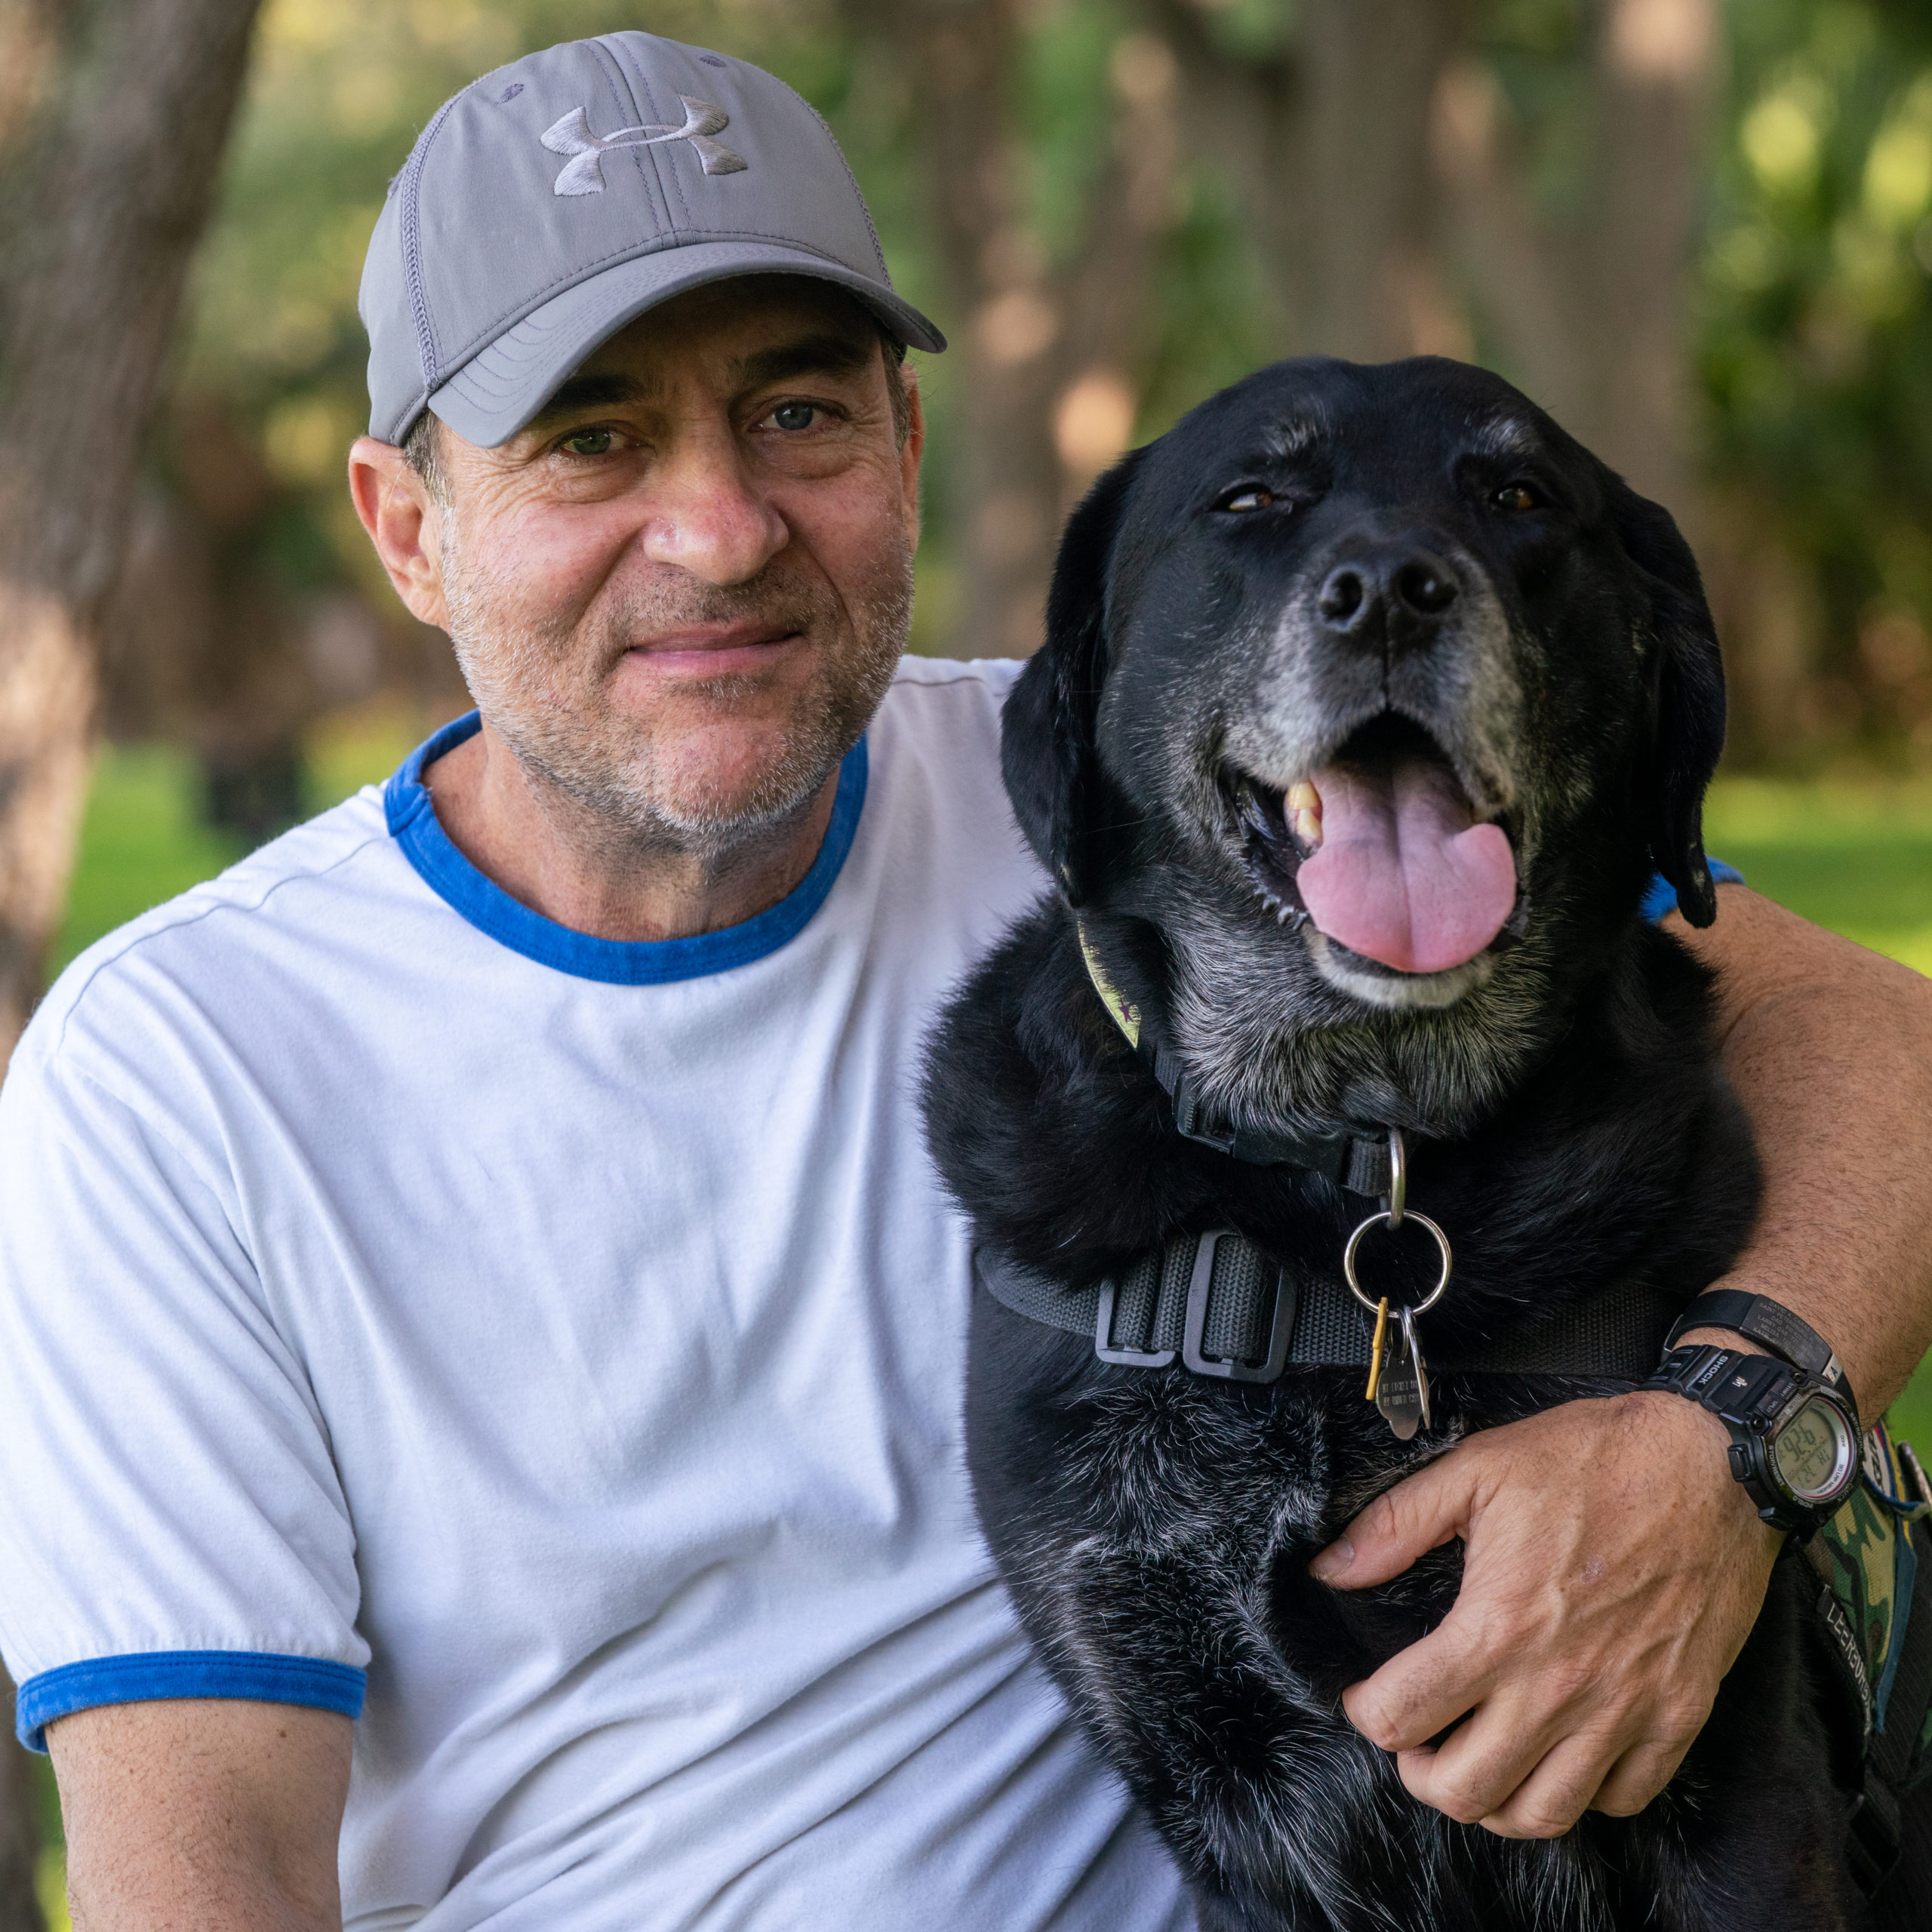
1414,1342
1399,1388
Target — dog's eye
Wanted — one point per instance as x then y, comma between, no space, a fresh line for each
1249,497
1516,497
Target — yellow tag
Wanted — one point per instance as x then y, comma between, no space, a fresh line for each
1126,1014
1375,1348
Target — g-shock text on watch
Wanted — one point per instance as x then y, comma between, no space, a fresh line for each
1794,1436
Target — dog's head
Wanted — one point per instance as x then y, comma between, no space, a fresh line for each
1378,698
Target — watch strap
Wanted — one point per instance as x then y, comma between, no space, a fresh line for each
1731,1382
1771,1324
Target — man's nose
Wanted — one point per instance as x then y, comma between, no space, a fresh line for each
707,518
1387,593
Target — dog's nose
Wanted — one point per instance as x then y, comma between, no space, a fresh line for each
1413,585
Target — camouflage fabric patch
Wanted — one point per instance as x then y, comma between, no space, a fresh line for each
1864,1556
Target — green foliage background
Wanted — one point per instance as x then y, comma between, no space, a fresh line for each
1813,315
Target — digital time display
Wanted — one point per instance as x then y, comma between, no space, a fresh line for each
1813,1451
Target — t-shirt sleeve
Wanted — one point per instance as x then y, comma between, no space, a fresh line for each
171,1524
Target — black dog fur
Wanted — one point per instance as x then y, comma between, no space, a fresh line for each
1571,1127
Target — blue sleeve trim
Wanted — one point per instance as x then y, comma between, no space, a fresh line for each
260,1675
1659,898
414,825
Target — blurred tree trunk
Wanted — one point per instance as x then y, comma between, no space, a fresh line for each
1593,313
1326,141
110,187
1048,348
113,118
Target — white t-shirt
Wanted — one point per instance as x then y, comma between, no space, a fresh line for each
563,1340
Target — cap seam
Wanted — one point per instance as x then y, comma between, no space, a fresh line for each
412,245
637,115
646,109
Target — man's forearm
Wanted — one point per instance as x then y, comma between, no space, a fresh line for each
1830,1048
212,1814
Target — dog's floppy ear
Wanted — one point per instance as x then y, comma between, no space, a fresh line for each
1047,749
1686,730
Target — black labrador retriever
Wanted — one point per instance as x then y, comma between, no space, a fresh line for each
1370,704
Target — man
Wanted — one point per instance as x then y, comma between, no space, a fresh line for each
472,1270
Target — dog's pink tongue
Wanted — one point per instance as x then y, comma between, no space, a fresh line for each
1402,875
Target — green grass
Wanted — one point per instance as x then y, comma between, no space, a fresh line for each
142,840
1858,858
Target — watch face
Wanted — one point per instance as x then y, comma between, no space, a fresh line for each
1812,1454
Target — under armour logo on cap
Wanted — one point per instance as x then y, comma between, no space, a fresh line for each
584,172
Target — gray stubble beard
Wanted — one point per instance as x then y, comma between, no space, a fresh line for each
632,797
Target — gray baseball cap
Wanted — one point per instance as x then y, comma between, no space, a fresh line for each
553,200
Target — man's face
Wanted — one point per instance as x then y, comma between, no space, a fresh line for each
679,595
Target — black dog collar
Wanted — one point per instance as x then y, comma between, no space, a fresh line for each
1360,1163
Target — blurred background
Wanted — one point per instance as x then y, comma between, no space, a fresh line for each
1699,231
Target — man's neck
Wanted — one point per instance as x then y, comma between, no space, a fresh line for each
550,853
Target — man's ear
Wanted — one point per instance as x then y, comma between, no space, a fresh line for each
1686,699
394,505
1047,748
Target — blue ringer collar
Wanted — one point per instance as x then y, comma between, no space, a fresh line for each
414,825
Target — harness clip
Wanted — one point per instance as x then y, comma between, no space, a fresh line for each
1281,1330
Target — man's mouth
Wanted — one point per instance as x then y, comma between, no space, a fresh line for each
716,650
1380,850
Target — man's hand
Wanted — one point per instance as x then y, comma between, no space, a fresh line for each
212,1813
1613,1569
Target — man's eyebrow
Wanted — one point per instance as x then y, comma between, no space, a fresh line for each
579,393
823,354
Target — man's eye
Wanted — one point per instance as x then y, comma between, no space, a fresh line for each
1516,497
794,415
589,442
1250,496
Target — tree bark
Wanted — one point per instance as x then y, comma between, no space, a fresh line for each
108,199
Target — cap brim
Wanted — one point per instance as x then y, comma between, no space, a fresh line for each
499,390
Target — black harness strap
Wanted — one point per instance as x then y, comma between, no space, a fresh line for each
1225,1308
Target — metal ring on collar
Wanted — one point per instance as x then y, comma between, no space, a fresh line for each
1397,1200
1387,1215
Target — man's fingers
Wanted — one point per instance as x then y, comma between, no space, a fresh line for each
1480,1766
1555,1794
1423,1690
1639,1775
1400,1525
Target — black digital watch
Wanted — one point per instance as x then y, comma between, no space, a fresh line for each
1794,1436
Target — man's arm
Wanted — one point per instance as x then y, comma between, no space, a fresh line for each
202,1815
1830,1048
1613,1567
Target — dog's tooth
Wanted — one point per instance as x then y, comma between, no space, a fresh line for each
1304,814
